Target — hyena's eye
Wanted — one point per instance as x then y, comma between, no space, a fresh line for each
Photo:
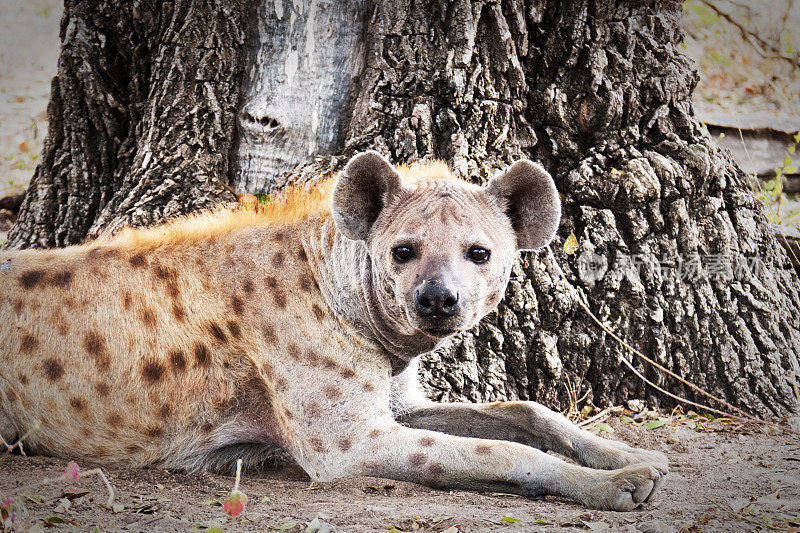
402,253
478,254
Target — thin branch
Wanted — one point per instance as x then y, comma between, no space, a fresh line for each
18,444
238,475
744,415
605,413
99,472
63,477
763,47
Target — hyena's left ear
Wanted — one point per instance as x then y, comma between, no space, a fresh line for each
362,190
531,200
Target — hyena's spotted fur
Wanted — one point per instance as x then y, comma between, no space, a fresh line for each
230,334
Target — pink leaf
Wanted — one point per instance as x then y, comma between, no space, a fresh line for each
234,503
72,471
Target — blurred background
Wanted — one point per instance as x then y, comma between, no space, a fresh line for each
748,58
748,94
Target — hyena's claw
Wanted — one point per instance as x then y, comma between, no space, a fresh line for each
658,482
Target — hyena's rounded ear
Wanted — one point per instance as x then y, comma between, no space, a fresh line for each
531,200
362,190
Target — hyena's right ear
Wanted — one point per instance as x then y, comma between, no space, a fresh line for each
362,190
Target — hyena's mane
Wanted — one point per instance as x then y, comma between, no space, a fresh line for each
287,206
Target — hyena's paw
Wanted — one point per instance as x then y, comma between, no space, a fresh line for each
626,488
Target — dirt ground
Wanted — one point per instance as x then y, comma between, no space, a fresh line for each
28,57
721,478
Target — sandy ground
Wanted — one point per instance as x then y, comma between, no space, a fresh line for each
28,57
734,75
720,480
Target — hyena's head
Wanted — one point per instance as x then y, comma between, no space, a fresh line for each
441,249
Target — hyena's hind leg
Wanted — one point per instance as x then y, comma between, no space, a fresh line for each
255,457
7,430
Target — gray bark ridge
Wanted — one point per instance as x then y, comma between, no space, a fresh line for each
142,117
304,58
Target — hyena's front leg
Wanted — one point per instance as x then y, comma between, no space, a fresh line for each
451,462
534,425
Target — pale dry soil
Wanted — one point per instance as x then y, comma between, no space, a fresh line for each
28,57
719,481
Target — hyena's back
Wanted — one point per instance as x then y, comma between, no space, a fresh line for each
112,348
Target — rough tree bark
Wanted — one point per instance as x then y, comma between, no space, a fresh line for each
141,117
597,91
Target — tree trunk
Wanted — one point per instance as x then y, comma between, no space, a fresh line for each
668,232
141,117
298,83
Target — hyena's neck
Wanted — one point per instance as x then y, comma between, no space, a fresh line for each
344,271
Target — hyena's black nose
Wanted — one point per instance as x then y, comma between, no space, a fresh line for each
435,299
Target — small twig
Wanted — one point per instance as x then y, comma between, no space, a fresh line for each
63,477
572,393
99,472
238,475
236,500
18,444
605,413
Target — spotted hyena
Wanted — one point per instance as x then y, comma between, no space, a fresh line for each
229,334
